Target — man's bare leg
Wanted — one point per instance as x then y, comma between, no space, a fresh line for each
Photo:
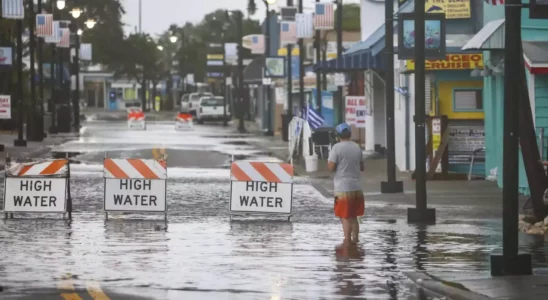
347,230
355,225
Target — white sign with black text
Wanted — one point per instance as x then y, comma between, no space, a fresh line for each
261,197
44,195
5,107
144,195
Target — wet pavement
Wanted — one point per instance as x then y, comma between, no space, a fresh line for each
198,253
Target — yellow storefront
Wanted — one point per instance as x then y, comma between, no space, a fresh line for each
456,91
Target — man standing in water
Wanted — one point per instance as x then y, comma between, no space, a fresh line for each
346,161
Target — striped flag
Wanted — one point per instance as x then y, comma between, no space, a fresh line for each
288,32
44,25
257,44
56,37
324,17
305,25
495,2
314,120
13,9
65,38
85,51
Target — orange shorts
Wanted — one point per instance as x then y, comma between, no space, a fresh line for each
349,204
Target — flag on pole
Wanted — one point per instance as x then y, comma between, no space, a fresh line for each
257,44
314,120
64,42
56,37
305,25
13,9
44,25
85,51
324,17
495,2
288,32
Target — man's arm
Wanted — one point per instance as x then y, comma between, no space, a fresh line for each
332,160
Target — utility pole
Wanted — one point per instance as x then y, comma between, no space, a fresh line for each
318,39
52,103
240,73
20,141
511,262
339,56
76,71
289,75
391,185
39,128
301,66
31,115
269,109
420,214
140,16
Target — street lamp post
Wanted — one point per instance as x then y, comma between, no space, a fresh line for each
20,141
269,101
32,135
339,56
76,69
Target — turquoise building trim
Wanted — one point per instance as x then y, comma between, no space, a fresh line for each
493,97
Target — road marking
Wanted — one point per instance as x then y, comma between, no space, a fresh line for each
95,291
66,283
71,296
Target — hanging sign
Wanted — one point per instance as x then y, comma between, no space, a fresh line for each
453,9
6,57
339,79
356,111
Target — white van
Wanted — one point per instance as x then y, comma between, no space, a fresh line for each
211,109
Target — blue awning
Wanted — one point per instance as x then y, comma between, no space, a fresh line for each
350,62
375,41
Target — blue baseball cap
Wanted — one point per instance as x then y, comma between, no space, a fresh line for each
342,127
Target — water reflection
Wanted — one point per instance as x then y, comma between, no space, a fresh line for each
349,263
420,251
391,267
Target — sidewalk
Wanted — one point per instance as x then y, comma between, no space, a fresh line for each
33,149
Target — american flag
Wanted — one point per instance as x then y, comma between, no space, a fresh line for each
288,32
13,9
324,17
56,37
305,26
44,25
314,120
65,38
257,44
495,2
85,51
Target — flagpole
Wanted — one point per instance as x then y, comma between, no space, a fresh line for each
20,141
301,65
31,121
40,124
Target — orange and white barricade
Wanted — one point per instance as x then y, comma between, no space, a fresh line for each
184,122
135,185
136,119
261,188
37,186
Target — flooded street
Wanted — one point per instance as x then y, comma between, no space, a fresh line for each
198,253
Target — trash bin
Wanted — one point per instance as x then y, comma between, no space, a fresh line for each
311,163
63,118
286,119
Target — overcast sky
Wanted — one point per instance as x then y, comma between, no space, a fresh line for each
157,15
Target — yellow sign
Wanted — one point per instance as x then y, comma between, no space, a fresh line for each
215,57
453,9
283,52
451,62
159,153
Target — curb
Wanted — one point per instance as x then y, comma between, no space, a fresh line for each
438,288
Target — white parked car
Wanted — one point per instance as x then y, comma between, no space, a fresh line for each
211,109
194,102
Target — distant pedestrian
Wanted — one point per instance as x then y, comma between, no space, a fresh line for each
346,161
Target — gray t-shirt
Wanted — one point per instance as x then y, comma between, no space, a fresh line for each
348,156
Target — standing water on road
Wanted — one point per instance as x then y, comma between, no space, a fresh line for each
200,254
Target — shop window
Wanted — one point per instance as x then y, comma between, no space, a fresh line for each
467,100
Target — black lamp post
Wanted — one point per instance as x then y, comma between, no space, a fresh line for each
75,33
269,101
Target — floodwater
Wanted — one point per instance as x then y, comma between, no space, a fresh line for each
198,253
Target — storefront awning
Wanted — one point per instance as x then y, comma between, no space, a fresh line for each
253,73
536,56
490,37
350,62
